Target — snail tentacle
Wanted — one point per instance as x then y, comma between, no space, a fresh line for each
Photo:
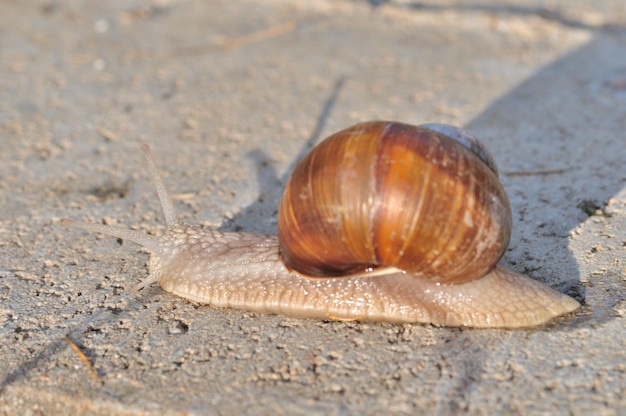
166,203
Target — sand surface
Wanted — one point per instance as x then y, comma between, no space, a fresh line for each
230,95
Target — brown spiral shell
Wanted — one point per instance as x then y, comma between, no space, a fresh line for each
387,194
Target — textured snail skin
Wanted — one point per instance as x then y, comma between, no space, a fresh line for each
245,271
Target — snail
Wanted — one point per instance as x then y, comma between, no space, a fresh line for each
382,221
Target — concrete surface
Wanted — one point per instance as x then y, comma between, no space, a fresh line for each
230,95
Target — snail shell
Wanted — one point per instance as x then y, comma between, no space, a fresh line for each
433,260
385,194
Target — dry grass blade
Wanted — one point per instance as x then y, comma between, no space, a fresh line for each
84,359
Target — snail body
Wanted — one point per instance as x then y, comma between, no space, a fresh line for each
405,268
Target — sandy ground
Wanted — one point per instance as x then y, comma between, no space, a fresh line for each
229,95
